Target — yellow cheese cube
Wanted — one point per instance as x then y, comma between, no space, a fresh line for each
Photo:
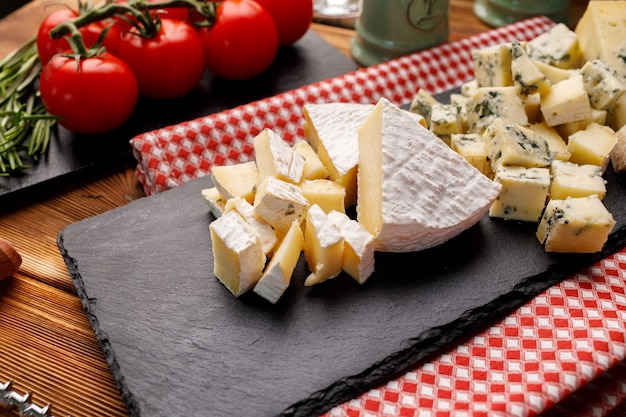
473,147
573,180
327,194
554,74
313,167
238,180
567,129
238,255
532,106
576,225
592,145
566,101
523,195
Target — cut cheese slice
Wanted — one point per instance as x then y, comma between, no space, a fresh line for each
238,180
238,256
358,248
274,157
214,200
262,228
314,169
279,203
332,131
414,191
323,246
278,272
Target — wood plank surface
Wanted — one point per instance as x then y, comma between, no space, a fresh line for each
47,346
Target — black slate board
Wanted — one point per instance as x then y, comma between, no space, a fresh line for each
179,343
309,60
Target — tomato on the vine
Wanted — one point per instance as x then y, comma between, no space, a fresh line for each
91,95
243,41
168,65
292,17
48,47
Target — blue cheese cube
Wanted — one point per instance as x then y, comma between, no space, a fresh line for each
575,225
510,144
523,195
558,46
525,73
473,147
573,180
602,85
422,104
492,66
556,143
444,121
490,103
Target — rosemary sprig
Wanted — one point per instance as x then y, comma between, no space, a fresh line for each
24,122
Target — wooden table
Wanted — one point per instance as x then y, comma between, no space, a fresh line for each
47,345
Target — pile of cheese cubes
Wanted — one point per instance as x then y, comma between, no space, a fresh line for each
544,119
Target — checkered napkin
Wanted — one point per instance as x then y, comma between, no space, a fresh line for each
561,354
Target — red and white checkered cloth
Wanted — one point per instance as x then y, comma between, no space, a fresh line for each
561,354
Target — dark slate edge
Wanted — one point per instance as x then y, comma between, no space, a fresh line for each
89,305
435,341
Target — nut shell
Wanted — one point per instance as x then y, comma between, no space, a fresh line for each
10,259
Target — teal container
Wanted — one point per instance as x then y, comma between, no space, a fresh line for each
503,12
388,29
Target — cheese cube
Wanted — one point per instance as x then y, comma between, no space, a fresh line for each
618,153
313,167
514,145
532,107
422,104
523,195
323,247
567,129
444,121
601,33
332,131
279,270
558,47
602,85
554,74
214,200
473,147
566,101
556,144
490,103
279,203
525,73
468,88
460,101
327,194
358,247
404,200
274,157
575,225
263,229
492,65
592,145
238,256
573,180
616,115
238,180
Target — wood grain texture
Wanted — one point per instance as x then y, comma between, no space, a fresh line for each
47,346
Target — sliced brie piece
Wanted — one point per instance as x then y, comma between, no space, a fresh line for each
358,248
262,228
414,191
214,200
238,256
332,131
238,180
274,157
279,203
327,194
323,246
279,270
313,167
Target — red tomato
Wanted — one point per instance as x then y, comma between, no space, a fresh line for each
92,95
293,18
48,47
167,66
242,43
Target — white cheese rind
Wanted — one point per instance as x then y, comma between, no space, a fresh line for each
323,247
274,157
414,191
279,203
358,248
